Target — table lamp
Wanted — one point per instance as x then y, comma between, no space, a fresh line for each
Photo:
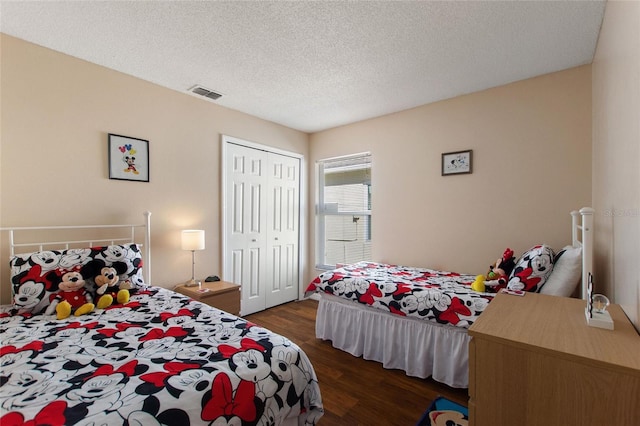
192,239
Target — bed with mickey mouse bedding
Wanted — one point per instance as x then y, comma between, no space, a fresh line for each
157,357
416,319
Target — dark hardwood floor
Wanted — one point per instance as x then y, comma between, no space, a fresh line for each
354,391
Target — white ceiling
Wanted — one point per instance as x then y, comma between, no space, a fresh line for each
316,65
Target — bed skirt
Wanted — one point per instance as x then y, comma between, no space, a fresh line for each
419,348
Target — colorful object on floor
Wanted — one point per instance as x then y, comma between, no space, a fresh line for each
444,412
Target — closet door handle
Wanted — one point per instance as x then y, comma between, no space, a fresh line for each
276,238
253,240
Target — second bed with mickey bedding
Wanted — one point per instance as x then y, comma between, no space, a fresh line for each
416,319
158,358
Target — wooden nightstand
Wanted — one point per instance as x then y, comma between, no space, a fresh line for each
222,295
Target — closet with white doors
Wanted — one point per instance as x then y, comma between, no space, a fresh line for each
261,223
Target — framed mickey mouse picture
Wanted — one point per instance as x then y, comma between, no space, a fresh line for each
456,163
128,158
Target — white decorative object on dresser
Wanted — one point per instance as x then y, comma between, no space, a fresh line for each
596,310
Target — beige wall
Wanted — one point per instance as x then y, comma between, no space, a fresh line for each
616,155
56,114
531,144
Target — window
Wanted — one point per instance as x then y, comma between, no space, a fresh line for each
344,210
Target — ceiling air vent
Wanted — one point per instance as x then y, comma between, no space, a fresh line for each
202,91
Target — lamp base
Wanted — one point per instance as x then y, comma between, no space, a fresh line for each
190,283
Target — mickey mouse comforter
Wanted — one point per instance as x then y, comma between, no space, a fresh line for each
443,297
160,359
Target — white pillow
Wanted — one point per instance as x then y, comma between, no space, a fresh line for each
566,273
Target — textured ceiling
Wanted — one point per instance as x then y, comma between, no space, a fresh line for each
317,65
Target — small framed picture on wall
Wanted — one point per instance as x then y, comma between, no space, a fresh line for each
128,158
455,163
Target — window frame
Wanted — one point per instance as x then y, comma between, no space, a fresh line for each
322,213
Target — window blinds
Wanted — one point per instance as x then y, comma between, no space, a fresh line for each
345,209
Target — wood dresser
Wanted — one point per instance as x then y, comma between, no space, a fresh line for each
533,360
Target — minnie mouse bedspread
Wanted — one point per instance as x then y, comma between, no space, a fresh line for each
160,359
443,297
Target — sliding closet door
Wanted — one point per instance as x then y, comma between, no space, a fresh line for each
262,220
283,210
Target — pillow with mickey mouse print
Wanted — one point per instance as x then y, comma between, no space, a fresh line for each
35,276
532,269
125,259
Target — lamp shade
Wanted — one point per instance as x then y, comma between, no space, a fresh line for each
193,239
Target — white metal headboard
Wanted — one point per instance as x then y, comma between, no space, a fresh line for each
66,244
582,236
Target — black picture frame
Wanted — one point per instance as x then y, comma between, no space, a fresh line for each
128,158
457,163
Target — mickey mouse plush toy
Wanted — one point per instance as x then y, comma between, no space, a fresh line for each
71,297
110,287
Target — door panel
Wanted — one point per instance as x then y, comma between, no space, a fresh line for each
283,233
236,266
237,225
246,240
254,276
255,210
275,273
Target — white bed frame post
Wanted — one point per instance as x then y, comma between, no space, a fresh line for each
586,241
146,270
